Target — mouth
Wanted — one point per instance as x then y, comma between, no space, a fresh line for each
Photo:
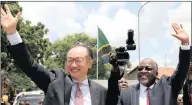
143,77
75,70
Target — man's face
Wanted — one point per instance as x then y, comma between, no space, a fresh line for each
78,62
147,72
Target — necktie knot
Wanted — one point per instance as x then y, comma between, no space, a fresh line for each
148,89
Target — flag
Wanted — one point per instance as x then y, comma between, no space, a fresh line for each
104,47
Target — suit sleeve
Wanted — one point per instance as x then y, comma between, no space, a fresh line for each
185,94
113,89
178,77
29,66
120,98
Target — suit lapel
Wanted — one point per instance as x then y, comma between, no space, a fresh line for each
93,93
67,90
137,94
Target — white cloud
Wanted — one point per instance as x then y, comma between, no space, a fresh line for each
156,20
58,17
106,7
62,18
112,27
154,24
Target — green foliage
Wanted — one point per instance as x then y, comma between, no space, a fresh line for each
33,38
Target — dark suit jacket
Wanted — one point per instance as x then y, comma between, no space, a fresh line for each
165,91
56,84
186,100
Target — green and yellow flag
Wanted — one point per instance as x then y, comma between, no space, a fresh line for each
104,47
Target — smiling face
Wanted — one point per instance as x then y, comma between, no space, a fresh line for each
78,63
147,72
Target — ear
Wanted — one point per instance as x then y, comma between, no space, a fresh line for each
90,64
157,73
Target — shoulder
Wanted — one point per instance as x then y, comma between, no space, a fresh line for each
56,73
164,79
128,91
97,85
130,88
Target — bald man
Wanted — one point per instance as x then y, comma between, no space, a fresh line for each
165,91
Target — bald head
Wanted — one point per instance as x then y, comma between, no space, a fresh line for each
88,50
150,62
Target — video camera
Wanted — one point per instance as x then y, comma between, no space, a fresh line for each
122,55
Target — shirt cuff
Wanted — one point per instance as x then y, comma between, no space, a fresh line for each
14,39
185,47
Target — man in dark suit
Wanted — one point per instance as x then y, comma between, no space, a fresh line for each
59,88
165,91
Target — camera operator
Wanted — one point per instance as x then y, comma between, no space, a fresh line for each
116,82
119,61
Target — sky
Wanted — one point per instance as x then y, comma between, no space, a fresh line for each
114,19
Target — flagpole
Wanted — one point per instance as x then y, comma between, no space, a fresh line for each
139,45
97,52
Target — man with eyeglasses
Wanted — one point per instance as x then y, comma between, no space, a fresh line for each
165,91
59,87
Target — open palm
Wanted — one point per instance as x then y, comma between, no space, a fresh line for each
180,33
9,22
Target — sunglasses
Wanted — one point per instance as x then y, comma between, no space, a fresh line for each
148,68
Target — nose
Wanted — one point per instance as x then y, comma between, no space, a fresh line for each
73,64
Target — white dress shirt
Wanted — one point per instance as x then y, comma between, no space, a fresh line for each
15,39
85,91
143,94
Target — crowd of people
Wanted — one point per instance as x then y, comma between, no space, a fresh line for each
74,87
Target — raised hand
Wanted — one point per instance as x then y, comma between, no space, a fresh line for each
180,33
9,22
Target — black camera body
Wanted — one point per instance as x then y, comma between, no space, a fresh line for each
122,55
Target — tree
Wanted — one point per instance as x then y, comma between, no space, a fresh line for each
33,36
55,56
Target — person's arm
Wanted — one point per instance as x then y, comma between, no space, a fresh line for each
177,79
113,89
26,62
185,94
20,53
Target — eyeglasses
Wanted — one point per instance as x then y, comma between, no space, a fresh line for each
78,61
148,68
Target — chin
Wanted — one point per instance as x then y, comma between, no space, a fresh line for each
145,83
74,75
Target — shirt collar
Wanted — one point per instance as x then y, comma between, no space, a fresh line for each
143,88
85,82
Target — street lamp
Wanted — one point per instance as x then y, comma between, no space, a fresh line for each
139,30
